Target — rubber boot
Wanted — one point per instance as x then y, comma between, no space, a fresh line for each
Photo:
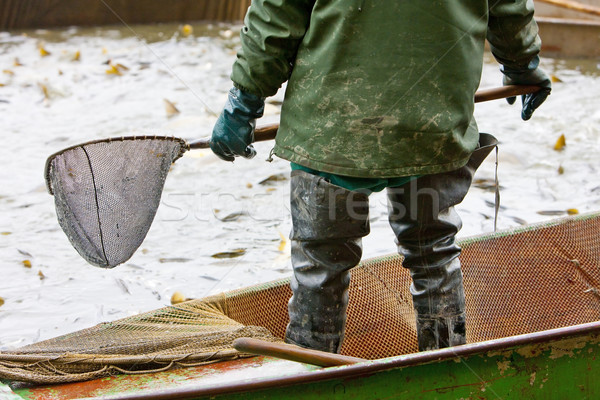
328,224
425,223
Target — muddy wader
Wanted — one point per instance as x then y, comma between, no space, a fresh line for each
328,225
425,223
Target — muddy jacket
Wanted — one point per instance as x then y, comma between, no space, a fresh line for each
379,88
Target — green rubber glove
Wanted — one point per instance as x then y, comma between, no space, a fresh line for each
532,75
233,133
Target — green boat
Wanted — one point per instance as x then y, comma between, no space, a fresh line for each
533,308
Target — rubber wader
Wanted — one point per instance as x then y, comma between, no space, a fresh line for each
425,223
328,224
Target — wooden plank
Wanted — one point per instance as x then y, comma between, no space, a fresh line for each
24,14
567,38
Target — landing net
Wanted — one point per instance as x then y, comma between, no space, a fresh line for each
106,193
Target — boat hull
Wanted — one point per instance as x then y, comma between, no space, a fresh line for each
558,363
533,331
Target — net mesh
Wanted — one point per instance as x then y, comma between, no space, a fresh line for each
521,281
107,193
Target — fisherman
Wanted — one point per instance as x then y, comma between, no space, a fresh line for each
379,95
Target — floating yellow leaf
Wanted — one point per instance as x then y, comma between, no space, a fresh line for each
44,52
41,275
177,298
104,50
170,108
249,185
8,72
17,63
27,263
269,190
560,143
572,211
561,170
6,233
116,69
113,70
76,56
45,91
555,78
282,243
1,301
187,30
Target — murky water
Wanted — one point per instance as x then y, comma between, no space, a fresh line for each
208,206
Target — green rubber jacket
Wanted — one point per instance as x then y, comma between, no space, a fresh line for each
379,88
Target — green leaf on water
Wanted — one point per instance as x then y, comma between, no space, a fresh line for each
551,212
233,216
174,260
230,254
273,178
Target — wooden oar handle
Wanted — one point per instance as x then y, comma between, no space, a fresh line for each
268,132
261,134
265,133
504,92
293,353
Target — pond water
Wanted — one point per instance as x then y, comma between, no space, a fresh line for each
99,83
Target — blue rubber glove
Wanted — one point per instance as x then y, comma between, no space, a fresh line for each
532,75
233,133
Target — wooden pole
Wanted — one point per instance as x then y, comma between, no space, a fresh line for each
504,92
293,353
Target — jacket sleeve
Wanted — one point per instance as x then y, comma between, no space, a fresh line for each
272,32
513,33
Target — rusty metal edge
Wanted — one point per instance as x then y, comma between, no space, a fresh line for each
373,366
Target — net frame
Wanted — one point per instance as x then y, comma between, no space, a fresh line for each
48,165
107,192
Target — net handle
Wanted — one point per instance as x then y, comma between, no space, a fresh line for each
503,92
261,134
268,132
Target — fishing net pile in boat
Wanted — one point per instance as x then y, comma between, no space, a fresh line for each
520,281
